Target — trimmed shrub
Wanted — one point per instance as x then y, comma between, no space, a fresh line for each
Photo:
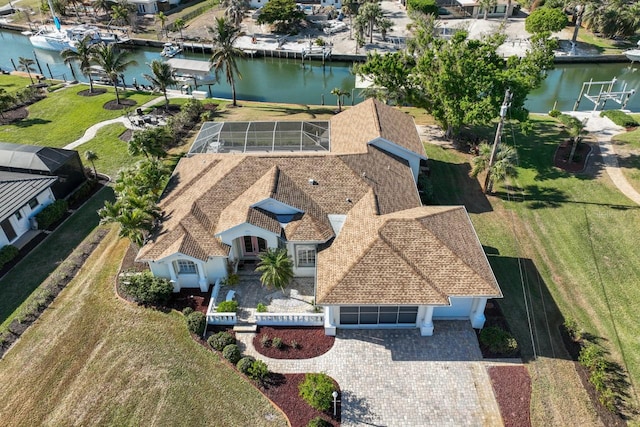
258,371
187,311
497,340
319,422
316,390
261,308
51,214
276,342
192,109
227,307
428,7
620,118
220,340
231,280
244,364
7,253
554,113
146,289
232,353
196,322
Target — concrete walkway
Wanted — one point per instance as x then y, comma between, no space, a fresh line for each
398,378
604,129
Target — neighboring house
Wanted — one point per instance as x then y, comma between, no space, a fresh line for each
350,216
473,8
144,7
63,164
22,196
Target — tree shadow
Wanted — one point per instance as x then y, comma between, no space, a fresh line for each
537,150
357,410
452,185
30,122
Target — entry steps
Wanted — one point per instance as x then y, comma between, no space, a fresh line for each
245,328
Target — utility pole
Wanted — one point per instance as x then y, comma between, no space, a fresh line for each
503,113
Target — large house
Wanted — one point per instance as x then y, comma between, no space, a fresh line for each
346,208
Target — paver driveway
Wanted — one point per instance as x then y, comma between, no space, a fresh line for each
398,378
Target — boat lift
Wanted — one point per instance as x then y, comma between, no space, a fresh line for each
604,94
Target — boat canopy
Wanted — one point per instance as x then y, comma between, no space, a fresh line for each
190,66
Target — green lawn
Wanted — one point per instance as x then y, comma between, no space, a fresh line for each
572,239
627,146
94,359
64,116
20,282
13,84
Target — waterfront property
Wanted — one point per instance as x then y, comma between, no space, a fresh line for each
350,217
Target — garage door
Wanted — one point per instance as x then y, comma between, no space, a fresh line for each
378,315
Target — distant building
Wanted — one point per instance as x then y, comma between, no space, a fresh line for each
472,8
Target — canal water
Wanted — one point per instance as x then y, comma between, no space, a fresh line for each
287,80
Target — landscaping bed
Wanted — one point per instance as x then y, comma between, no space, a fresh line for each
14,115
495,318
311,342
561,158
512,387
124,104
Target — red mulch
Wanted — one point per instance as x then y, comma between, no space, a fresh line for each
282,389
124,103
96,92
193,298
561,158
312,342
14,115
512,386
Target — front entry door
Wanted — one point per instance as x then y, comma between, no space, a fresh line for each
8,229
252,246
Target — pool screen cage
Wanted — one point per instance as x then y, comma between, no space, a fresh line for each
247,137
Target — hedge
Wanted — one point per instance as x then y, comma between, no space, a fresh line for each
620,118
146,289
428,7
51,214
7,253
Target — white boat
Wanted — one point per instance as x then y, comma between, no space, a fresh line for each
633,55
170,50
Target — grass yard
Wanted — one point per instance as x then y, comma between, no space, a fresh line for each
20,282
64,116
627,146
94,359
12,83
571,238
247,111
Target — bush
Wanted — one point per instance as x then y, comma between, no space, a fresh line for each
497,340
428,7
51,214
196,322
258,371
277,343
620,118
608,399
261,308
244,364
231,280
265,341
319,422
554,113
192,109
227,307
545,19
187,311
7,253
146,289
295,344
316,390
232,353
571,326
220,340
592,357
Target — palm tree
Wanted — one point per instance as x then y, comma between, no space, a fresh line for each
113,61
276,267
90,156
84,55
486,5
224,54
161,77
150,143
504,165
179,24
235,10
340,94
103,5
26,64
163,20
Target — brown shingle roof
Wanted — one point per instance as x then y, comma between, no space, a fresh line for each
354,128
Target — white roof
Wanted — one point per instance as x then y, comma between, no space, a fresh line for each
190,65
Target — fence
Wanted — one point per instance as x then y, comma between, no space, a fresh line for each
290,319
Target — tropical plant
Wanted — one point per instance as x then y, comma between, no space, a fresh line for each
120,13
370,16
161,77
26,64
340,94
83,54
545,19
504,164
485,5
113,62
163,20
150,142
6,101
103,5
283,14
276,267
179,24
224,54
235,10
91,156
350,9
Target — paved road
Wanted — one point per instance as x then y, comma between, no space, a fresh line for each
398,378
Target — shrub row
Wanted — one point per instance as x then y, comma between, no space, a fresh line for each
7,253
52,213
428,7
23,97
83,191
227,307
276,342
620,118
144,288
255,369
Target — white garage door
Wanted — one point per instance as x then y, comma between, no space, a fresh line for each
460,307
378,315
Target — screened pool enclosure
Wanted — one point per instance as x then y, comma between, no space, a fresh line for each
247,137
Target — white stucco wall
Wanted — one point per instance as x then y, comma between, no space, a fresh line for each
409,156
302,271
207,272
21,226
246,229
460,308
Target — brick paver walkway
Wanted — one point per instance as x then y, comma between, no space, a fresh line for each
398,378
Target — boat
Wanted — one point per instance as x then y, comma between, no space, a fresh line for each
61,39
170,50
633,54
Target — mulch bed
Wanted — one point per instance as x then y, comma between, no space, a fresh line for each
494,317
561,158
14,115
96,92
194,298
124,103
312,342
282,389
512,387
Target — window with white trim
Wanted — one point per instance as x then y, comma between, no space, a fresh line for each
305,256
186,267
33,203
18,215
